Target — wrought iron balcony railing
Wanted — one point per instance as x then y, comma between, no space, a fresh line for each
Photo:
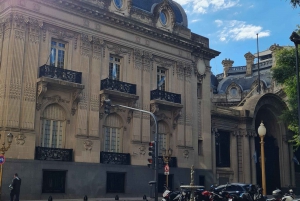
53,154
111,84
60,73
114,158
164,95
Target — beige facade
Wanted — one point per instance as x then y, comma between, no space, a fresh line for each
61,59
238,109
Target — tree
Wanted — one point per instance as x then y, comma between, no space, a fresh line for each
295,3
284,73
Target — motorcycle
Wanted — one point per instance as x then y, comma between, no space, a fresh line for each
277,196
169,195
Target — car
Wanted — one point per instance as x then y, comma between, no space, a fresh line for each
244,192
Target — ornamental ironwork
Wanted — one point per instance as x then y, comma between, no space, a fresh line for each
164,95
114,158
53,154
117,85
60,73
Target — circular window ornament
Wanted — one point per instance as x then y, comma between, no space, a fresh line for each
118,3
163,18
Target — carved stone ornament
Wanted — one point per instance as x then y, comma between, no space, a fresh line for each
20,139
176,115
75,100
165,6
119,50
129,116
42,89
88,144
142,150
186,154
154,108
162,62
103,97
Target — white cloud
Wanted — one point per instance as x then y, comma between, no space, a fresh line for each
239,30
219,22
196,20
203,6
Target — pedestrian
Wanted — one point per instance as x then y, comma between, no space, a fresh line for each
15,188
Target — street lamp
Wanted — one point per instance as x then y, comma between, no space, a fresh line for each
295,38
3,149
262,132
167,157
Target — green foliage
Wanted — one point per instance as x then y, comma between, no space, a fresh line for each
284,73
295,3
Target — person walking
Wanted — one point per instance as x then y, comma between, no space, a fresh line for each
15,188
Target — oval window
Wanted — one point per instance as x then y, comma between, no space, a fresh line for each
163,17
119,3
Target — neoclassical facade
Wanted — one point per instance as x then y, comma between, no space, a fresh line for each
237,111
61,59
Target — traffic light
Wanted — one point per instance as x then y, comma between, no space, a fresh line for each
152,149
107,106
151,161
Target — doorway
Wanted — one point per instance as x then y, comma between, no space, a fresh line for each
271,147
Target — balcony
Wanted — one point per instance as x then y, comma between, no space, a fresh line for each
53,154
166,96
60,73
58,79
118,90
114,158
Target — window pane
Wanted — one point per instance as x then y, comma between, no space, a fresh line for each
46,135
113,140
54,134
107,139
53,57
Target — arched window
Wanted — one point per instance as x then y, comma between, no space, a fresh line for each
53,126
113,133
162,137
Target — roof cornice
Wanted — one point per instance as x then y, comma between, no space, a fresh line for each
104,16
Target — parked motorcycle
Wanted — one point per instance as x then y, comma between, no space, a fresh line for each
278,196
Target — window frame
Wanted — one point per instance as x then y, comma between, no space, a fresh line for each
118,66
110,180
48,177
56,53
63,131
118,144
159,75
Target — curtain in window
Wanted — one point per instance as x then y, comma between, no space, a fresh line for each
162,137
112,133
53,127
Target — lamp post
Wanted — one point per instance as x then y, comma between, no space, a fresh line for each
3,149
167,157
262,132
295,38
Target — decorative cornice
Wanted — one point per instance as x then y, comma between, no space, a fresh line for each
108,18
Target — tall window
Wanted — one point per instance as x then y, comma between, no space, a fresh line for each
223,149
57,56
114,67
113,134
53,127
162,138
161,79
199,90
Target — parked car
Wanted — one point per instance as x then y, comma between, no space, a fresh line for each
244,192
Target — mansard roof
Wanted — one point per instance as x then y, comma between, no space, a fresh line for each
148,5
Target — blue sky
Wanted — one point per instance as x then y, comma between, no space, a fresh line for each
232,25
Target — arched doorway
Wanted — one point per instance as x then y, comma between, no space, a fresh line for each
268,109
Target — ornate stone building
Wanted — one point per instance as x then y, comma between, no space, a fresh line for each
238,109
61,58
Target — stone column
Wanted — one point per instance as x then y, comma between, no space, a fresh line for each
213,153
227,64
246,157
249,61
253,164
234,155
